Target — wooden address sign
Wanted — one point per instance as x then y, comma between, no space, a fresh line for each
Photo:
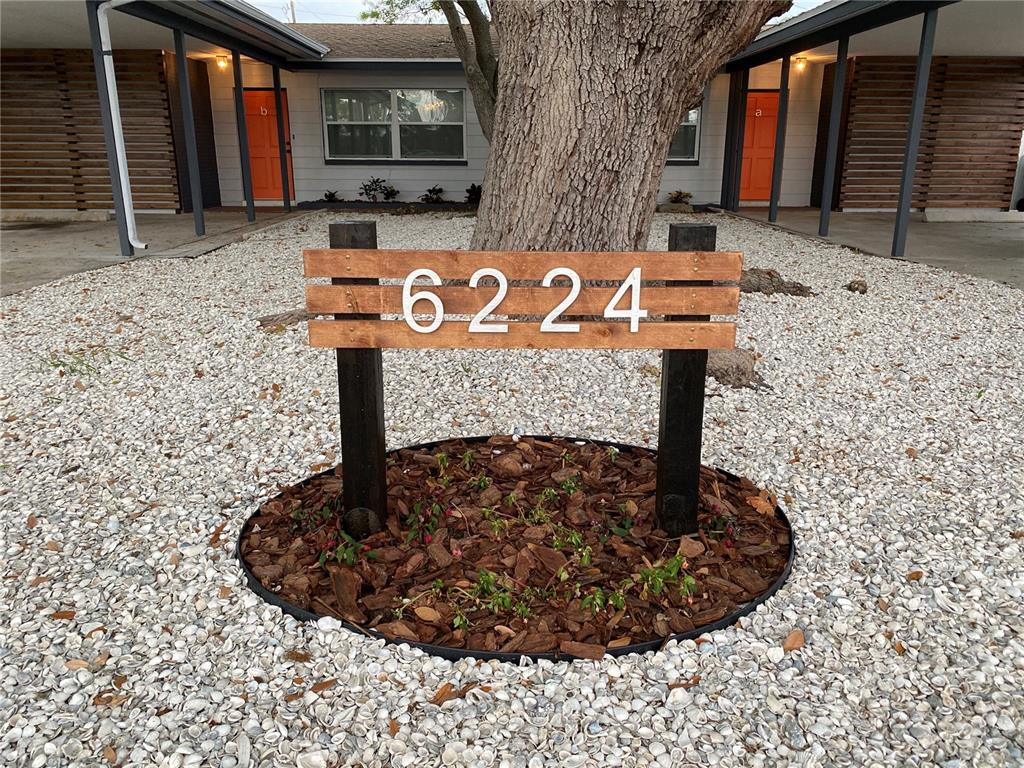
562,312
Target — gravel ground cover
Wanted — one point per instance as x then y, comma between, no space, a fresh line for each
146,414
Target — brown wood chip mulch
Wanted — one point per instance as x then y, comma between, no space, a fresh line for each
524,546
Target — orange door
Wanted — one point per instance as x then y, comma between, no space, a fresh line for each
759,145
264,156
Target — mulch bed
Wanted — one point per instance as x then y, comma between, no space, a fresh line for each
524,546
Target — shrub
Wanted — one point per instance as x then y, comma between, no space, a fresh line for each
473,194
376,188
679,196
330,197
433,195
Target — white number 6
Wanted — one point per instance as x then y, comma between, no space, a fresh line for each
476,325
549,323
409,300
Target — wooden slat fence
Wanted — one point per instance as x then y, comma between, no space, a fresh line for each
52,152
973,119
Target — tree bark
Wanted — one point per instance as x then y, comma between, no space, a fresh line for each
590,95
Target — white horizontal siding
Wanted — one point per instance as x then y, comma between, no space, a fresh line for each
313,176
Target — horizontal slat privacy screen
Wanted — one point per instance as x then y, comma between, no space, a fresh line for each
53,153
970,136
676,314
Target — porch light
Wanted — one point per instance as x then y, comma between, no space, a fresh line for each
222,63
800,63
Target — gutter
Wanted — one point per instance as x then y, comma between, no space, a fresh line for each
115,116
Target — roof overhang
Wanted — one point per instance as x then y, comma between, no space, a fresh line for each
230,24
832,22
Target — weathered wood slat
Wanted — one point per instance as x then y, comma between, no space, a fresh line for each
52,149
396,334
530,265
974,114
462,300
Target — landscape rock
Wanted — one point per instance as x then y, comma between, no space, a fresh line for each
734,368
769,282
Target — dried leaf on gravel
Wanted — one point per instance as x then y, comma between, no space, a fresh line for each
76,664
447,692
393,727
298,656
31,522
224,592
62,615
794,640
53,546
215,538
110,754
323,685
915,575
685,684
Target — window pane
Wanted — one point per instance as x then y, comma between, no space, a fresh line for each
433,106
693,116
684,143
359,141
431,140
360,106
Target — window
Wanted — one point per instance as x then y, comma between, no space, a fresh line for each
394,124
686,143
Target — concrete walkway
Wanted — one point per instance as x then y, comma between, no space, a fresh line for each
989,250
33,253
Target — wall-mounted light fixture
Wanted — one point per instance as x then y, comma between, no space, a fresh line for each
800,63
222,63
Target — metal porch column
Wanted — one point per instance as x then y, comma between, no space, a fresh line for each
924,63
282,142
189,124
832,147
243,137
734,129
127,251
780,141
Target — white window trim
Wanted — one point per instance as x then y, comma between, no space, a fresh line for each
394,125
696,143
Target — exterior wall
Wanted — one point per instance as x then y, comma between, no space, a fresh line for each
313,175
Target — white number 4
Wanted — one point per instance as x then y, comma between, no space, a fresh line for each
634,313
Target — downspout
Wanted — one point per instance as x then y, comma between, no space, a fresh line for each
115,116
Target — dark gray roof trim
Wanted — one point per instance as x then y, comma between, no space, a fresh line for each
835,21
231,24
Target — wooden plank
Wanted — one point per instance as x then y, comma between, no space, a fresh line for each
524,265
453,334
463,300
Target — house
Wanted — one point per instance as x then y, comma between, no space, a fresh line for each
863,104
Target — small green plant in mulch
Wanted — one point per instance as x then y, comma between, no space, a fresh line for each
479,482
424,519
342,548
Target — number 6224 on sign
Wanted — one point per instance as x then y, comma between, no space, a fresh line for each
551,323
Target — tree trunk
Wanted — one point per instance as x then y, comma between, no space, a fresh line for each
590,95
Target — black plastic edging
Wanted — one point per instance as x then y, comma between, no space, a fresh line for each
455,654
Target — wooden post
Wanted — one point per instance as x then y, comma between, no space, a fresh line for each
681,418
361,396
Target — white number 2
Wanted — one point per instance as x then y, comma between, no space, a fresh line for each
409,300
477,325
549,323
634,313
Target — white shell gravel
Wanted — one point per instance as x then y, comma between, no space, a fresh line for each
894,424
